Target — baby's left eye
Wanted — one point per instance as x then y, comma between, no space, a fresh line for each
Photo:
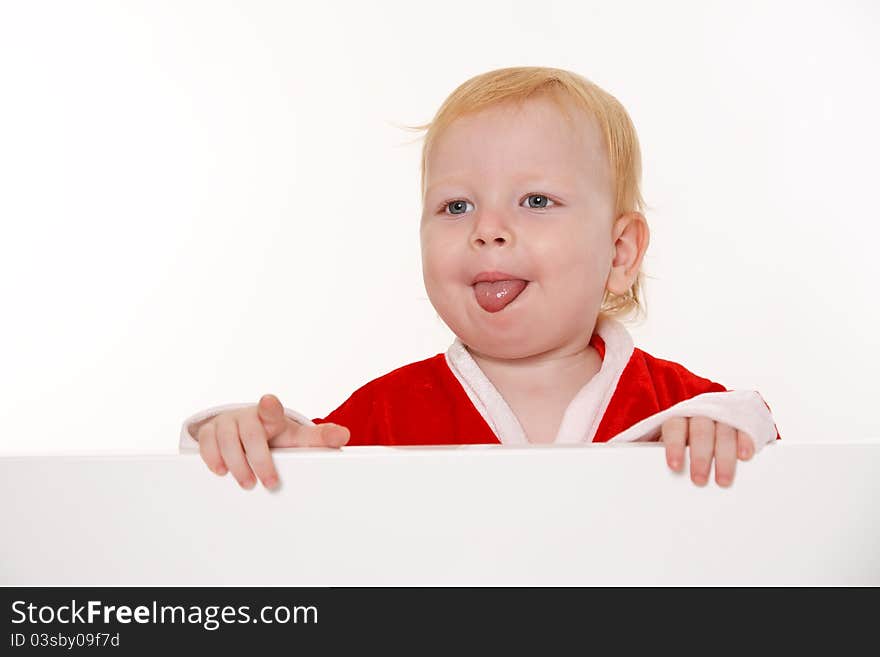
541,200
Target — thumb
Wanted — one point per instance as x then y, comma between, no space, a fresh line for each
334,435
271,414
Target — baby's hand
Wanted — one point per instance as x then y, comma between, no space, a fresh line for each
224,440
707,438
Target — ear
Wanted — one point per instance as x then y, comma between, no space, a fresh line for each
630,237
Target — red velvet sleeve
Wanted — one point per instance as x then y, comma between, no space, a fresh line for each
674,383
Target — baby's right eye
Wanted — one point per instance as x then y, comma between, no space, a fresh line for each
458,204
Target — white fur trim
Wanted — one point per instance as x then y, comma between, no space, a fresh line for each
484,396
188,443
584,413
742,409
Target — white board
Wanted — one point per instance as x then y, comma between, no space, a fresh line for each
479,515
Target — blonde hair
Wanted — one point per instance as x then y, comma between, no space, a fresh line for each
519,83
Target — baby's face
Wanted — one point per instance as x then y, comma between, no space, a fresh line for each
523,192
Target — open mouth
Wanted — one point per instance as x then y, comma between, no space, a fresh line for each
497,295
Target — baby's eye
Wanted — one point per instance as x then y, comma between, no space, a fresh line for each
456,205
542,201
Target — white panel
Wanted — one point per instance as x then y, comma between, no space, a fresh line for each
804,513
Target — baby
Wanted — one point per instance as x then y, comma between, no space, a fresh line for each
532,238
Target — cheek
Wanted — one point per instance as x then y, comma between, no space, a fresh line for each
573,255
438,266
440,241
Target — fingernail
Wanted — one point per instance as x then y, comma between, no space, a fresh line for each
271,482
221,470
675,464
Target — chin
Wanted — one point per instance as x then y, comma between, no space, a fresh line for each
494,345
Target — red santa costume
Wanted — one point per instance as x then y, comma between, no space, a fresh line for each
448,400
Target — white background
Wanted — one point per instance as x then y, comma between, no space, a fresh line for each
203,202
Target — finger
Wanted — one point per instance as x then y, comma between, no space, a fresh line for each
209,450
701,438
745,446
334,435
256,447
326,434
233,454
320,435
673,433
725,454
271,415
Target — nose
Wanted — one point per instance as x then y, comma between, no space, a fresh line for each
490,229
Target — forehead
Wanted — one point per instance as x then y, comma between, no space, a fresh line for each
510,140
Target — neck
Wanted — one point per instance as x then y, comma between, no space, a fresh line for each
559,371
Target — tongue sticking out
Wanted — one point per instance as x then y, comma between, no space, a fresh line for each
492,297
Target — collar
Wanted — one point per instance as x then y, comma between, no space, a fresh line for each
584,412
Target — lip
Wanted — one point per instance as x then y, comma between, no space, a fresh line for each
493,276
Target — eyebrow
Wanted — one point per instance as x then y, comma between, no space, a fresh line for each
541,179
